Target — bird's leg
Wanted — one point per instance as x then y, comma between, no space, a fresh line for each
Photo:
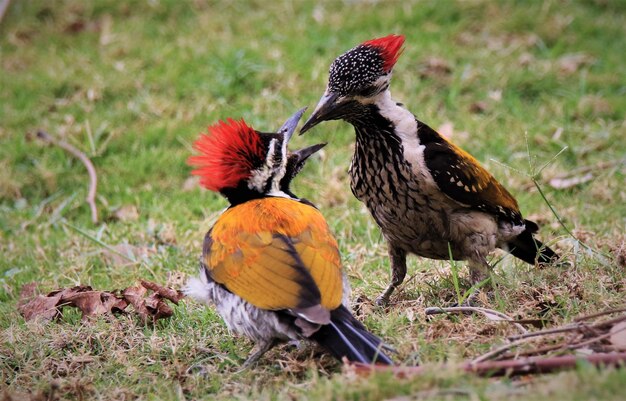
480,270
257,352
397,257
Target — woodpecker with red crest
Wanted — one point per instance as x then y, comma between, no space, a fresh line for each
270,264
429,197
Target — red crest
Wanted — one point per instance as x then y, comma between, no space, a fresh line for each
228,154
390,48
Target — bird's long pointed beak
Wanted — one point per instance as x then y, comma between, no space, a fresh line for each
305,153
289,127
323,109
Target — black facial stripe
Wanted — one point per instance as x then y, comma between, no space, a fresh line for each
355,70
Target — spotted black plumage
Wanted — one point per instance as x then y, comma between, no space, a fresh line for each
356,71
428,196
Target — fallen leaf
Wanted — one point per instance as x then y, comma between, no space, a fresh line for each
434,67
32,305
94,303
167,293
570,63
593,106
158,309
478,107
135,295
569,182
126,213
618,336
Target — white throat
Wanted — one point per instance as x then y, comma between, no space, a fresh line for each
405,129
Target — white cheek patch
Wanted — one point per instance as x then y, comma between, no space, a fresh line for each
259,177
282,169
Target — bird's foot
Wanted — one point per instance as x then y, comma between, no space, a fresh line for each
382,300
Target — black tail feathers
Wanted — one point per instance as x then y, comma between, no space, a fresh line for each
346,336
531,250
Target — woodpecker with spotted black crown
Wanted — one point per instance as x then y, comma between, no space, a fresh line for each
429,197
270,264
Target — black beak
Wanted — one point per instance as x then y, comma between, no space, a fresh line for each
323,111
305,153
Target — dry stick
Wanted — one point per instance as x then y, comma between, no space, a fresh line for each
484,311
570,327
500,368
606,312
499,350
556,330
520,339
93,178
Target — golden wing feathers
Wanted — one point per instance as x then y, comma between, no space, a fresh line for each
461,177
276,254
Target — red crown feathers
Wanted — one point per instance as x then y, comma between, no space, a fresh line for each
390,48
228,154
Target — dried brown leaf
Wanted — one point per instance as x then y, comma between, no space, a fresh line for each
478,107
41,307
157,307
570,63
126,213
94,303
434,67
135,295
618,336
165,292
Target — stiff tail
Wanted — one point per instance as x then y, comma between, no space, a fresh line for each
346,336
531,250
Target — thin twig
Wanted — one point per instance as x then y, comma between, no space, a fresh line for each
598,314
595,339
556,330
500,350
484,311
93,178
499,368
535,351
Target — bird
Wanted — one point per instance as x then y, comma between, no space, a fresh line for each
270,264
429,197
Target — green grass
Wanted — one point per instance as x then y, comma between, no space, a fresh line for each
132,83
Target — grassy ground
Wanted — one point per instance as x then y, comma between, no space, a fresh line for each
132,83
